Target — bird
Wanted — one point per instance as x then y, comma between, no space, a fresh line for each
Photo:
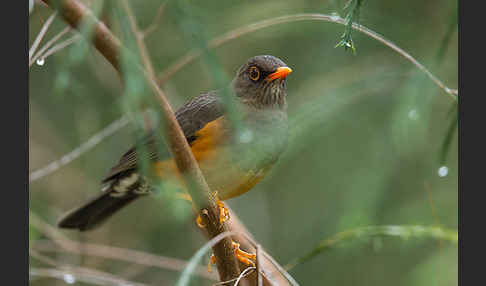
233,160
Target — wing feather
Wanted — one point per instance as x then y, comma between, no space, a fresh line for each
192,117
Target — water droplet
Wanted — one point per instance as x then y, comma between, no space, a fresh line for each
413,114
246,136
443,171
335,16
40,61
69,279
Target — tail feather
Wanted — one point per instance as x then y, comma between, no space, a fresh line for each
96,211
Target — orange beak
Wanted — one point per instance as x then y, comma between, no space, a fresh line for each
281,72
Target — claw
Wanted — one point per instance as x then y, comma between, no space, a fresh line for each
223,211
199,221
212,260
243,256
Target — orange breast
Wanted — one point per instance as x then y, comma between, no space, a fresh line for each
212,152
210,140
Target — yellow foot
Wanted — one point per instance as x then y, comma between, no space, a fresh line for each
212,260
223,212
243,256
199,221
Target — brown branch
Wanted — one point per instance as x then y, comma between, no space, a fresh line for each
109,46
179,148
74,13
147,31
273,274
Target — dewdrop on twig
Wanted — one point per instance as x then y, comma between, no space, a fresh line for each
40,61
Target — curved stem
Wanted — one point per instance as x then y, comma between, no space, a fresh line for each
236,33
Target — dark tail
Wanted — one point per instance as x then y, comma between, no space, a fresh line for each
96,211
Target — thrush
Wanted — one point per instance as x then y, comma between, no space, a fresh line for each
232,161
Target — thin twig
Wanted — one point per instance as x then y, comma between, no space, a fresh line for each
74,12
123,254
41,35
155,23
50,231
186,274
281,269
258,265
48,45
400,231
82,274
243,274
236,33
43,258
81,149
62,45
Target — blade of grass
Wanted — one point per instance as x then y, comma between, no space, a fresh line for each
401,231
48,45
41,35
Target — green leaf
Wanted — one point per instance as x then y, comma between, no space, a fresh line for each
353,7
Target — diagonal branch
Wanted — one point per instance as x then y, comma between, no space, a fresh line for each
81,149
199,190
109,46
75,12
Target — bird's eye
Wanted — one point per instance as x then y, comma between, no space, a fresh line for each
254,73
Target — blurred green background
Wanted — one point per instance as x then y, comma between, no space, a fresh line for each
367,132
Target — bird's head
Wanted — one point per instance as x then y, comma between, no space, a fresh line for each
261,82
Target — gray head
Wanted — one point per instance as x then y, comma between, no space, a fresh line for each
261,82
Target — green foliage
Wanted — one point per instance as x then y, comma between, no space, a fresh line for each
366,136
352,15
404,232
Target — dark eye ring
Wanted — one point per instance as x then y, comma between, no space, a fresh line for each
254,73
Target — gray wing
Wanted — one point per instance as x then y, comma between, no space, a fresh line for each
192,116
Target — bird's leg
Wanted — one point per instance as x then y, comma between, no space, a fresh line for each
212,260
223,212
241,255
